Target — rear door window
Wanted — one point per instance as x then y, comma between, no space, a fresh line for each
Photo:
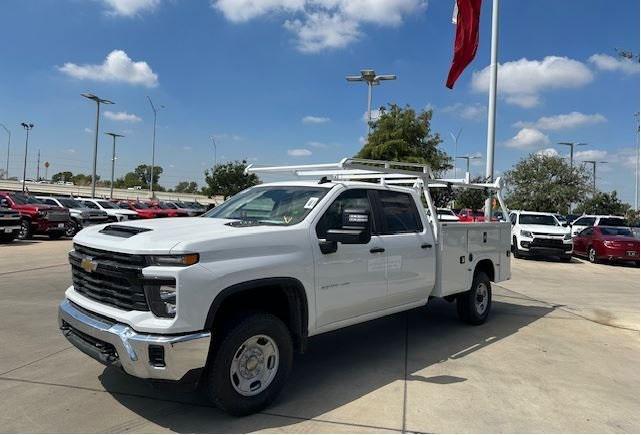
399,212
586,221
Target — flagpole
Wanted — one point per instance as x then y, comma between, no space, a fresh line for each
491,107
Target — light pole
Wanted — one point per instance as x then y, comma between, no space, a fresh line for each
27,126
594,163
153,148
636,162
98,101
369,76
455,139
6,172
572,145
113,160
467,159
213,141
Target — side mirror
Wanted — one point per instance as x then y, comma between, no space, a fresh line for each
355,229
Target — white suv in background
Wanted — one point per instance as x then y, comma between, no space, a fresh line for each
593,220
537,233
116,213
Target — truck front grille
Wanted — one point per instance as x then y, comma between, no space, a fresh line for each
547,243
57,216
111,278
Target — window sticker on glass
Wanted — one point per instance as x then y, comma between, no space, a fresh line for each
311,202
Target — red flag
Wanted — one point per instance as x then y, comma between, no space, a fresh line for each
467,38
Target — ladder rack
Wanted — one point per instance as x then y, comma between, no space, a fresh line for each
420,176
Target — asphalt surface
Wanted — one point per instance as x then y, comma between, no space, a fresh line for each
560,353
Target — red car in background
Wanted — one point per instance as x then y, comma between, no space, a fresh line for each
36,217
606,243
168,209
142,209
469,215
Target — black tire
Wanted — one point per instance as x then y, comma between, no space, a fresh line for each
71,228
55,235
636,263
592,258
25,232
217,381
466,303
566,258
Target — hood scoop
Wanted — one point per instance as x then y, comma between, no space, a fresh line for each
123,231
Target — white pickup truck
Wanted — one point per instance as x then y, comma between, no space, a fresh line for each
226,299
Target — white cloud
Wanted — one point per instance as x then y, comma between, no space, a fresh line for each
323,24
521,81
606,62
320,31
117,67
227,136
528,138
299,152
590,155
563,121
187,148
70,150
472,112
376,113
549,152
627,157
88,130
122,116
309,119
130,8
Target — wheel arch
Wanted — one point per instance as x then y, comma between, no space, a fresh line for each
284,297
486,266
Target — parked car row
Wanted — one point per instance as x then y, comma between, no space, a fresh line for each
23,216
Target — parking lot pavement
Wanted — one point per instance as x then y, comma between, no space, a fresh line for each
560,353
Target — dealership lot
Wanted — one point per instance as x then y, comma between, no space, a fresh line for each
559,354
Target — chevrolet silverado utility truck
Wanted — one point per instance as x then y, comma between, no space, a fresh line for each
226,299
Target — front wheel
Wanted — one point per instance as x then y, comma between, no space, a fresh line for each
473,306
592,255
248,367
25,230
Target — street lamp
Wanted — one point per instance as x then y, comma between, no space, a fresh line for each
113,160
213,141
594,163
467,159
572,145
455,139
98,101
153,148
6,173
369,76
27,127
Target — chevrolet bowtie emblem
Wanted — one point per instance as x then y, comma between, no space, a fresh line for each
88,264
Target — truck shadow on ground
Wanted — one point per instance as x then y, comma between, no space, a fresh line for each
338,368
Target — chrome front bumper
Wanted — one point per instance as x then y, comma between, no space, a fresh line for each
138,353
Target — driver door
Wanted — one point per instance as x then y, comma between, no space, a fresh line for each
351,281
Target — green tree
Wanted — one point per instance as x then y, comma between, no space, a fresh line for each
603,203
83,180
62,176
143,172
545,183
228,179
186,187
470,198
400,134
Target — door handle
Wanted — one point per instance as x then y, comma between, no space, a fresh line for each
376,250
426,246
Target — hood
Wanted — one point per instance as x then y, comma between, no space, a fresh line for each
159,236
545,229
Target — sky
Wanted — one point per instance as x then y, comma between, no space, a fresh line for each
266,80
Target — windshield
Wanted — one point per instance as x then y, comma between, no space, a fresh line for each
24,199
167,205
140,205
537,219
613,222
617,231
90,204
70,203
106,204
274,205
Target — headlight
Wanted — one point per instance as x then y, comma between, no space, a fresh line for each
161,297
173,260
527,234
41,213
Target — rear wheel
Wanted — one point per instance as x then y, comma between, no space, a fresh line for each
25,230
474,305
71,228
248,367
